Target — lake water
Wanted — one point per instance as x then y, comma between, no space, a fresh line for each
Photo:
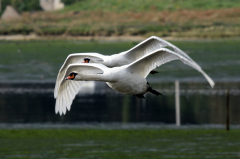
28,70
97,103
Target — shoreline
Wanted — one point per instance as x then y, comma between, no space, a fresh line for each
20,37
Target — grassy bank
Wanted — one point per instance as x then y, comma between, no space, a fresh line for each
185,19
118,144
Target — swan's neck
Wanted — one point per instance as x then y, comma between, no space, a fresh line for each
92,77
116,60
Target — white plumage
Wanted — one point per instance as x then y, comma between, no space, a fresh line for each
145,47
127,79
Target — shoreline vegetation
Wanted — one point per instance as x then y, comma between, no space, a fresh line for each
82,20
114,38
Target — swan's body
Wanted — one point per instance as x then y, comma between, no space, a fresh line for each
145,47
127,79
126,82
117,78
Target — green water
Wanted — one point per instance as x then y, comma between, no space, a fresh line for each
119,144
41,60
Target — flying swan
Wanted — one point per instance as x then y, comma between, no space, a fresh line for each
127,79
145,47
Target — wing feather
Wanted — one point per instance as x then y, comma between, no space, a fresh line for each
144,65
75,58
57,108
150,45
60,102
68,89
68,97
63,106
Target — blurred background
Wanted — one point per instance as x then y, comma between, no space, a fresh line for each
36,36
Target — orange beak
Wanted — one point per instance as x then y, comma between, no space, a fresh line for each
70,77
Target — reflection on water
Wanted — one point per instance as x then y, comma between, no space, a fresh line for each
34,103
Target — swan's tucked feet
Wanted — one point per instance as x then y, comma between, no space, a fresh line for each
153,91
153,72
140,96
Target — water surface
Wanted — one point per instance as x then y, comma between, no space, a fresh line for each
96,102
28,70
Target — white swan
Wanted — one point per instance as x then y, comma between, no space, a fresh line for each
145,47
127,79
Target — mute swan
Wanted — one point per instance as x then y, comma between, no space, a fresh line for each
145,47
127,79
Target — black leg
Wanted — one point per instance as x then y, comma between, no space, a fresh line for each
153,72
153,91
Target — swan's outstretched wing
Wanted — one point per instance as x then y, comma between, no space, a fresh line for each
149,45
69,88
159,57
75,58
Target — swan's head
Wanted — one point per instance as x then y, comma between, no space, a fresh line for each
71,76
86,60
